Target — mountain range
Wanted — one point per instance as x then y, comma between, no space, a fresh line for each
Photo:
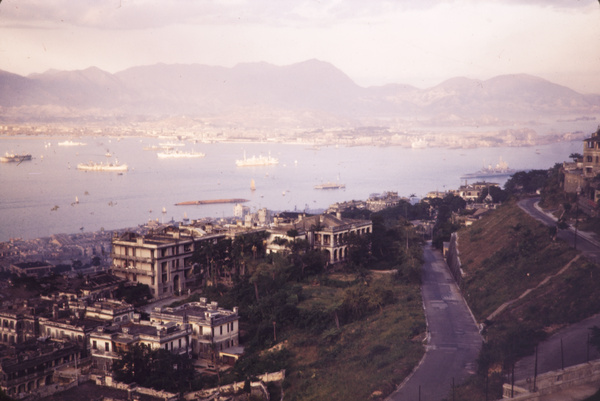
310,93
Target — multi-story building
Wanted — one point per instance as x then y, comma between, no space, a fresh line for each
264,217
240,210
377,202
581,179
78,320
591,155
32,269
163,261
471,192
325,232
19,321
30,366
214,329
107,341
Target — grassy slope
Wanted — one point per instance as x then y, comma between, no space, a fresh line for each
503,255
497,272
368,356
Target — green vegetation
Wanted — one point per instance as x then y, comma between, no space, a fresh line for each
444,226
504,255
135,295
350,334
156,368
377,343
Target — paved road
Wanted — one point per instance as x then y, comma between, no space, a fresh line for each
586,243
454,340
568,346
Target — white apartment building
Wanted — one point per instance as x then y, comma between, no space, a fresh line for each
163,261
213,328
107,341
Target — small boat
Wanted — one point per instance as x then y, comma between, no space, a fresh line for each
91,166
14,158
211,202
178,154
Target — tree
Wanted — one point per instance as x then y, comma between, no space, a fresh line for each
155,368
595,337
576,156
526,181
135,295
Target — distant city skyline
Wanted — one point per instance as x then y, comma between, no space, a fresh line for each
415,42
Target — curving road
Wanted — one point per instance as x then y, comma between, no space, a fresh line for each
569,346
453,336
584,242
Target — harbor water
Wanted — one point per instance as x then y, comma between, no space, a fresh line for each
49,195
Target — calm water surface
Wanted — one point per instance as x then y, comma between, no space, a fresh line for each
37,197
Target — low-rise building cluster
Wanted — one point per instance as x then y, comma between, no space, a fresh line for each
81,328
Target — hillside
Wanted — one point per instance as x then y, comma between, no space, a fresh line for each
365,359
310,93
504,255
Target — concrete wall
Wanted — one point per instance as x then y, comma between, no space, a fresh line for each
453,259
554,382
237,387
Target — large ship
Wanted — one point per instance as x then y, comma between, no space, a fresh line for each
499,170
70,143
330,185
179,154
211,202
11,158
113,167
170,145
256,161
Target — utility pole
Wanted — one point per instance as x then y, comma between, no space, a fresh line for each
577,193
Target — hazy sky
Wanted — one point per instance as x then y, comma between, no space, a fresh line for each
417,42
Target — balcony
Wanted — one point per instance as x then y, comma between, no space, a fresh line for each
104,354
132,270
131,258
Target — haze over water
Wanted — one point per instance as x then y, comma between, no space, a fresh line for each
31,190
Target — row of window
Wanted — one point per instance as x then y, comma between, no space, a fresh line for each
61,334
8,324
228,327
590,159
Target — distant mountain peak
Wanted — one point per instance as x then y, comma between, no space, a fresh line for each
312,90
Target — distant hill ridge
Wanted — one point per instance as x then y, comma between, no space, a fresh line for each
312,89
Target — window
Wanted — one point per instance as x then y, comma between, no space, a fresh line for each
106,347
589,159
221,329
